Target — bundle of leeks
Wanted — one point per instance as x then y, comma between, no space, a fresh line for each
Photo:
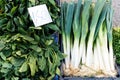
87,38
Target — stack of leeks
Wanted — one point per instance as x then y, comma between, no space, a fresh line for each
87,38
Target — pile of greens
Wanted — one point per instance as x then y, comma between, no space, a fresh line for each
116,44
27,52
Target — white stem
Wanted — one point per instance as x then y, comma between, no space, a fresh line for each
100,56
89,57
106,58
80,52
68,53
111,58
74,54
84,54
96,59
65,51
104,48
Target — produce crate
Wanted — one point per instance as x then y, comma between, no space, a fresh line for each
79,78
88,78
92,78
118,68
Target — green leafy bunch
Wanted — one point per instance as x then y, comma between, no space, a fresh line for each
26,52
14,16
116,44
23,57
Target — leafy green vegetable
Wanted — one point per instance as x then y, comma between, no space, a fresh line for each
116,43
24,48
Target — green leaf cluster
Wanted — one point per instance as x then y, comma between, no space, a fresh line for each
23,56
27,52
14,16
116,44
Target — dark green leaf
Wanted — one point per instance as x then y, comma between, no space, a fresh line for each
42,63
58,71
32,1
21,22
18,53
16,21
2,56
2,45
15,78
32,65
4,70
51,67
21,9
7,52
37,28
3,21
37,38
52,2
16,61
9,25
24,67
51,77
6,65
26,79
47,53
13,10
53,27
21,30
13,46
28,38
49,42
36,48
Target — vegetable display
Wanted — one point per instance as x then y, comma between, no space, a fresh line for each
28,52
87,38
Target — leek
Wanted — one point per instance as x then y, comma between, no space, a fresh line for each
85,19
66,31
109,34
97,10
76,31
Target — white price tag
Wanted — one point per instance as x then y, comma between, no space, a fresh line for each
40,15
